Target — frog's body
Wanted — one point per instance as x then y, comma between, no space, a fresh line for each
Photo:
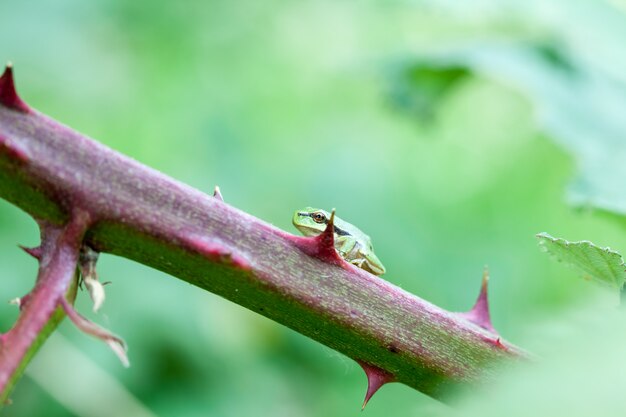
352,244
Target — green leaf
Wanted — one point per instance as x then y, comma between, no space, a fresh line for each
601,265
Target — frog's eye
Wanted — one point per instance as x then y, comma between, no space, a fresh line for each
318,217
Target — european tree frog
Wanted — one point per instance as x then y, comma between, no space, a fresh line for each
352,244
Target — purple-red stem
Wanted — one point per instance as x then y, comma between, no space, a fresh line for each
59,250
50,170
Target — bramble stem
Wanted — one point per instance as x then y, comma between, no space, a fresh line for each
60,246
49,170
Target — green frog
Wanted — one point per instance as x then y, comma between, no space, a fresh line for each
352,244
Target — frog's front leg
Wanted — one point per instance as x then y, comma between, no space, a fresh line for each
345,246
372,263
350,250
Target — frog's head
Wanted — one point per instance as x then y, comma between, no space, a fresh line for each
311,221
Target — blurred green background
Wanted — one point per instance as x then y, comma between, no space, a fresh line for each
450,133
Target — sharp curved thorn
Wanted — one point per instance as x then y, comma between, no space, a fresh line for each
326,239
217,193
479,314
376,378
34,252
17,301
8,93
322,246
116,344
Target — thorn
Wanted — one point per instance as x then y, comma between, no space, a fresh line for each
20,302
479,314
34,252
217,194
326,240
8,94
116,344
500,345
376,378
321,246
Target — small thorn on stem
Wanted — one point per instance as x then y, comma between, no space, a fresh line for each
479,314
34,252
217,193
500,345
326,240
20,302
116,344
8,94
376,378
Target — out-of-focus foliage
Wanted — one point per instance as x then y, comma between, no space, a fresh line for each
602,265
346,105
420,88
581,371
564,57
